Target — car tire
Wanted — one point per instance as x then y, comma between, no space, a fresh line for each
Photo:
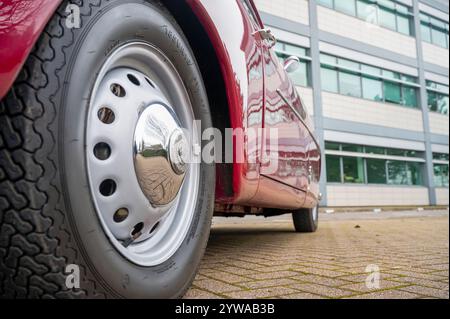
306,220
49,225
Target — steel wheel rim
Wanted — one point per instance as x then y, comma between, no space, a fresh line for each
164,225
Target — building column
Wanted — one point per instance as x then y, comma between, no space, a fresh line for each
317,93
429,171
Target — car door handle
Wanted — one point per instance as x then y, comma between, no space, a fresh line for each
266,35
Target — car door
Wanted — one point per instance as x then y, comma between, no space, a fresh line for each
286,158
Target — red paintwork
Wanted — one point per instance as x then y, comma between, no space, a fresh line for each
252,74
21,23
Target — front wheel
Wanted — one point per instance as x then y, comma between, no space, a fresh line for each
306,220
100,194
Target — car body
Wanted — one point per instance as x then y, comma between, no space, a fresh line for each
134,123
259,95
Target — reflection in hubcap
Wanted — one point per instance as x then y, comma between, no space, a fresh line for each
160,154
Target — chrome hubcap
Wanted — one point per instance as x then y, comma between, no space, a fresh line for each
161,154
139,139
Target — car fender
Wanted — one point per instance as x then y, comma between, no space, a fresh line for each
21,24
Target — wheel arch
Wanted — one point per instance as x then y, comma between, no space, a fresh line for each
189,16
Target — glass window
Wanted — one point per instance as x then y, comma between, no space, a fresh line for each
414,173
432,101
345,6
440,156
375,150
414,154
332,146
333,169
395,152
440,175
442,104
376,171
409,96
438,102
300,76
426,33
439,38
327,3
387,19
329,80
370,69
424,18
366,11
391,74
392,92
295,50
328,59
353,170
401,8
387,4
438,23
350,84
352,148
348,64
408,78
397,173
403,25
372,89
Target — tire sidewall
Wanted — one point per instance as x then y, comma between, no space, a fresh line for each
114,25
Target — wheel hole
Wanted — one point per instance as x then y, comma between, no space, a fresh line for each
108,187
133,79
137,230
102,151
150,83
154,228
118,90
106,115
120,215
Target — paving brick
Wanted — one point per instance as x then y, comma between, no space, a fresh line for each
215,285
268,283
195,293
422,282
266,259
384,284
326,291
333,282
227,277
387,294
273,275
429,292
261,293
302,295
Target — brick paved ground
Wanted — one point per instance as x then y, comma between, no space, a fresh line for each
257,258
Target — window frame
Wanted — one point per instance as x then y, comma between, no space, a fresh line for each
404,159
396,8
396,78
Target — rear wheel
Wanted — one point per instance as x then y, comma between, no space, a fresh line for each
306,220
99,164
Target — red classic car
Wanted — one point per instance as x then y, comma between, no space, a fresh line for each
105,189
